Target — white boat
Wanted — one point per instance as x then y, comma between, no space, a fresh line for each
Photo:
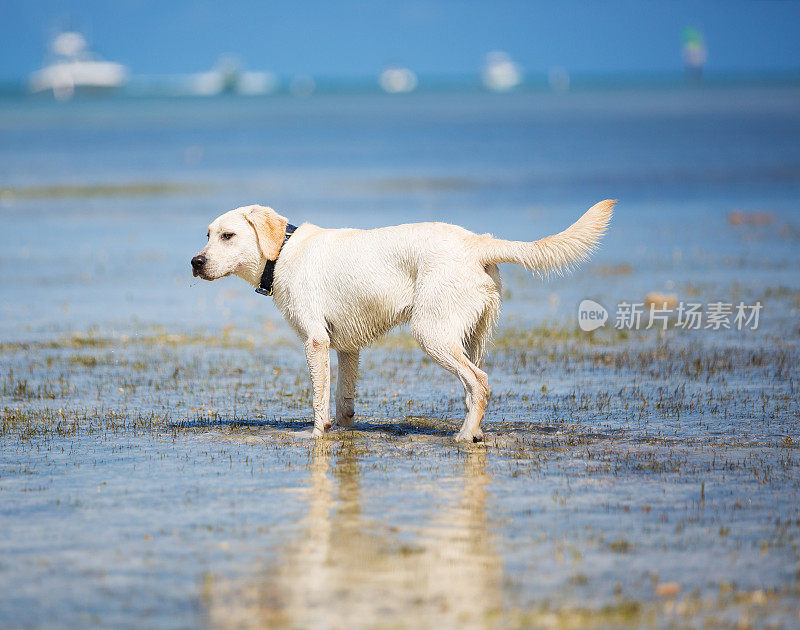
228,76
397,79
76,69
500,73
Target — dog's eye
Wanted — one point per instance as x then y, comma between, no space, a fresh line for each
226,236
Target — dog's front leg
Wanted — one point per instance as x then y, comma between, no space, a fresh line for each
318,357
346,387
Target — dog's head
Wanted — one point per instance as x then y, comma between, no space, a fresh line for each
239,243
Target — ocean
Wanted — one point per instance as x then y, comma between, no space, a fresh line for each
154,469
108,199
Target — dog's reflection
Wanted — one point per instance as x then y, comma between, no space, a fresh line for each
347,571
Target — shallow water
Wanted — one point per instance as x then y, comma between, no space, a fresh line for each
155,468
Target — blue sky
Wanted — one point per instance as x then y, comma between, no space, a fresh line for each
342,38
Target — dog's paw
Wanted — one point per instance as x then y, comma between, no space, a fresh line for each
345,420
467,436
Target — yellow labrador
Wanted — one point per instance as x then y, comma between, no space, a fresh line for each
343,288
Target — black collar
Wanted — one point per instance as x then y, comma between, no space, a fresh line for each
265,286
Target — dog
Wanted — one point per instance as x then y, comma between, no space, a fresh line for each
342,289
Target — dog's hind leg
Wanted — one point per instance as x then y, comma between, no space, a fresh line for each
476,384
478,339
318,357
346,387
478,397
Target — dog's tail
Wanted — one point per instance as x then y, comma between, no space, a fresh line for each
558,253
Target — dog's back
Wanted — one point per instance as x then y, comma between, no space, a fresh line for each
365,282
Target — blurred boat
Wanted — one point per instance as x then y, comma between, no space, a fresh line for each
228,76
302,85
396,79
500,72
75,68
558,79
694,53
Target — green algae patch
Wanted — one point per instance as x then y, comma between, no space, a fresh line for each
89,191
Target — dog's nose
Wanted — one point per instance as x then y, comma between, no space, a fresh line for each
198,261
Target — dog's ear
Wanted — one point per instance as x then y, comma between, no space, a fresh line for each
270,229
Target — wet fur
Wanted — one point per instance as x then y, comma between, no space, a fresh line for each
340,289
